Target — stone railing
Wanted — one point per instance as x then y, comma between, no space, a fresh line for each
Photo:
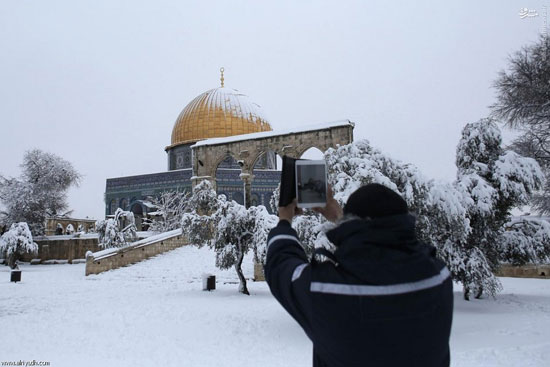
115,258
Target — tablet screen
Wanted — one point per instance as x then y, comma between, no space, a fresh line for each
311,183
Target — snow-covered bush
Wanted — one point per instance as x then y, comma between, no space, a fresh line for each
204,199
263,224
17,241
109,233
311,228
274,201
170,206
117,231
525,241
198,222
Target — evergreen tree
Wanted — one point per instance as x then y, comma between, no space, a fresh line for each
439,208
495,181
523,95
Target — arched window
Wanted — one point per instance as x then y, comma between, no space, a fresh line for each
123,204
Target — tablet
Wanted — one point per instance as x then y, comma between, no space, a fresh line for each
288,181
311,183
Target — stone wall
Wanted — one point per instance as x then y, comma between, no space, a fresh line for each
62,248
259,272
141,250
526,271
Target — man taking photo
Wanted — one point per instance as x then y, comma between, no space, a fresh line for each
383,298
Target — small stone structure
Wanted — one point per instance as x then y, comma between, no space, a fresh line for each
141,250
67,248
525,271
52,222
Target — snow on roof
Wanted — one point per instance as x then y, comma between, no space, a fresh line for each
231,101
146,241
267,134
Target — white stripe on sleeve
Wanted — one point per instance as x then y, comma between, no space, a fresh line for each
380,290
281,237
298,271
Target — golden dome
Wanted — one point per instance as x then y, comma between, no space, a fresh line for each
218,113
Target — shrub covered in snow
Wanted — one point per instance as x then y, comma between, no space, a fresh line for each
525,241
117,231
263,224
17,241
170,206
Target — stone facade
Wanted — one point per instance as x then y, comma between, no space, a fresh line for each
132,254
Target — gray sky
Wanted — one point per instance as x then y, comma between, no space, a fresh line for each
101,83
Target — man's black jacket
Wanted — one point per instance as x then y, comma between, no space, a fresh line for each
387,301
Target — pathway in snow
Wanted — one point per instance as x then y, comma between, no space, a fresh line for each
155,312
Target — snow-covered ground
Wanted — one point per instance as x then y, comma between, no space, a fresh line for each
155,313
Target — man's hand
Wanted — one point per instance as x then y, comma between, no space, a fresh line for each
332,211
288,212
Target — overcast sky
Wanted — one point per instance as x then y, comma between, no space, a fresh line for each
101,83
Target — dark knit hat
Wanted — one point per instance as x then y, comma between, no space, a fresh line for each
375,200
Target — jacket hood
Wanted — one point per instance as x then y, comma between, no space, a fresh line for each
383,250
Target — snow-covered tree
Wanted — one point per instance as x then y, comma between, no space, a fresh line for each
441,216
41,190
274,201
526,240
263,224
493,181
233,238
204,199
117,231
227,227
523,92
310,227
198,222
17,241
170,206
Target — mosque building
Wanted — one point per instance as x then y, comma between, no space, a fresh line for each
219,112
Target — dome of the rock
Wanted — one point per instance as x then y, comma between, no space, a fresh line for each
217,113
